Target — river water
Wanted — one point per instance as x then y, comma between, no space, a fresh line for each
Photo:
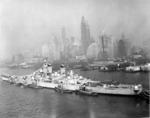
18,102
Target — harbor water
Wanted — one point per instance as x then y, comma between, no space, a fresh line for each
22,102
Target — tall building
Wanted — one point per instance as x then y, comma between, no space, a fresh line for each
109,46
66,43
45,50
85,35
122,50
106,45
63,34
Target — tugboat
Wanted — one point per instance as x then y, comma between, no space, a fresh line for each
5,77
8,78
61,89
84,91
133,69
145,94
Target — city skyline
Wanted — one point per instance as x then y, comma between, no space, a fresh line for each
25,23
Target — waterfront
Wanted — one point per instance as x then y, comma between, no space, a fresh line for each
45,103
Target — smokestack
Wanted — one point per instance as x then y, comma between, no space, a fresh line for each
62,69
45,68
50,68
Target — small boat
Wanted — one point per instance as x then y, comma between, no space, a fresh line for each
82,90
108,68
13,66
33,85
8,78
85,68
145,94
87,92
60,89
5,77
26,66
133,69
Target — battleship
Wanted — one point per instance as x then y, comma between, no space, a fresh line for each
63,80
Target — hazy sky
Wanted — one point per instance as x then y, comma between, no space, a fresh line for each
23,23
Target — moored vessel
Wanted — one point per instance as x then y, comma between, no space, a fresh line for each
121,89
68,81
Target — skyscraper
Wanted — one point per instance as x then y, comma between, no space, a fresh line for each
106,46
66,43
122,51
85,35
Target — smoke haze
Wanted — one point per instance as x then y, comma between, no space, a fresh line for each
28,23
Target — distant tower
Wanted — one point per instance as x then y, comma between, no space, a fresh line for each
85,35
122,50
104,47
63,33
65,42
45,50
